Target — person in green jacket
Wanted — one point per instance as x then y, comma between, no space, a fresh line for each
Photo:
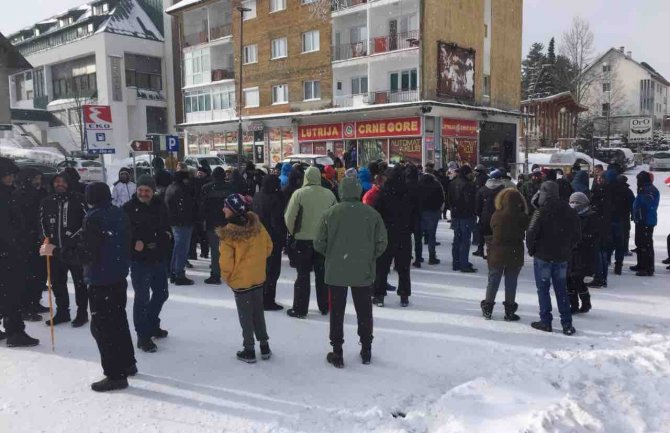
302,217
351,236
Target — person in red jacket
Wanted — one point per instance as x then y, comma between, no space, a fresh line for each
370,197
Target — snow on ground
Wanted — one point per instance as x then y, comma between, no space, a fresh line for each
437,366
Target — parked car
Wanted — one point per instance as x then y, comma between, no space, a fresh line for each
619,155
563,161
195,161
309,159
48,171
89,171
230,159
660,161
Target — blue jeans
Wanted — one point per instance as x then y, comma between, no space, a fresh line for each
601,263
182,243
151,291
429,221
511,279
460,249
547,273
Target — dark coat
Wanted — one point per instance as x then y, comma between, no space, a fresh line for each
180,202
480,180
582,263
269,205
461,197
149,224
554,229
564,189
508,226
62,217
622,202
580,182
12,226
432,194
29,200
601,203
414,191
485,204
212,198
396,207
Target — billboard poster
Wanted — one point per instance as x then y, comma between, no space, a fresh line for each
405,149
641,130
459,128
403,127
98,129
455,71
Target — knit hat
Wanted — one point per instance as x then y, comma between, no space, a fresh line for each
452,165
480,168
97,193
496,174
7,167
219,174
238,203
579,201
351,173
146,180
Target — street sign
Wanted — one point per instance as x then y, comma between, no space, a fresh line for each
641,130
98,129
172,143
142,145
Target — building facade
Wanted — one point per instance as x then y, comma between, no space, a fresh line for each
106,52
550,121
419,80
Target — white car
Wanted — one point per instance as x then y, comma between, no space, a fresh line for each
89,171
195,161
660,161
309,159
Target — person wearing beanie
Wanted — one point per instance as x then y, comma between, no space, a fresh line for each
462,201
582,263
553,233
150,243
124,188
62,217
103,247
351,236
645,217
210,203
74,180
481,176
180,204
330,180
485,207
245,246
13,258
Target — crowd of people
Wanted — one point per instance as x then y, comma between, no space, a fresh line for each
348,225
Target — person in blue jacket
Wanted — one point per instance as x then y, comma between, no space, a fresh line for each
645,216
285,171
365,178
580,179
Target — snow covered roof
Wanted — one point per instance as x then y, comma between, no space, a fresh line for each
11,57
644,65
129,19
183,4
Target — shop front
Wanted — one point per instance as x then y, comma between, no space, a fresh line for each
460,141
390,140
497,142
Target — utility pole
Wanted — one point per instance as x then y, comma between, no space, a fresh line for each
240,149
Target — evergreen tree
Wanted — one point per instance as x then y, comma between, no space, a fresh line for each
551,52
530,68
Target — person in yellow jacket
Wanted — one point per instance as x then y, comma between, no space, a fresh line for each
245,246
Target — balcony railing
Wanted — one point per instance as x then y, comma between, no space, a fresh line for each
196,39
377,98
338,5
350,51
222,31
394,42
222,74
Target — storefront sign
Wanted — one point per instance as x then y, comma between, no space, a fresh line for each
407,127
405,149
459,128
255,127
320,132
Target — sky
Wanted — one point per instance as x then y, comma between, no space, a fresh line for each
641,26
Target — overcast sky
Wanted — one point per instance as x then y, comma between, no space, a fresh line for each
642,26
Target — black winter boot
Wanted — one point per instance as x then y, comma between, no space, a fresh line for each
21,339
569,330
159,333
487,309
366,354
108,384
266,353
213,280
2,335
574,302
335,358
81,319
586,302
510,310
540,326
59,317
618,267
404,301
247,355
146,345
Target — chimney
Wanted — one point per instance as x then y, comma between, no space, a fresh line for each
629,54
621,49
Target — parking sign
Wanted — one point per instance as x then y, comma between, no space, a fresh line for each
172,143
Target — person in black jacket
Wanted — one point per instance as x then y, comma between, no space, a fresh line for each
397,209
432,200
29,195
62,215
485,206
212,199
414,191
622,208
103,248
203,176
582,261
444,180
461,198
150,238
75,183
626,223
269,205
554,231
601,203
13,258
181,205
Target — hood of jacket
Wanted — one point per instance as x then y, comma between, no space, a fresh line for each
511,200
643,178
548,192
126,171
25,177
271,184
163,178
364,175
492,183
350,189
312,177
236,233
286,169
329,172
72,173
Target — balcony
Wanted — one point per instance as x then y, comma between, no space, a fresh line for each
195,39
222,74
219,32
395,42
349,51
377,98
338,5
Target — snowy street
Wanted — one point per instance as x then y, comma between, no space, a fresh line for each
437,366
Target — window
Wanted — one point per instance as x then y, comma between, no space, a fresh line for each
223,99
29,94
606,109
144,72
197,67
312,90
310,41
339,85
197,101
157,120
249,4
487,85
359,85
251,97
101,9
606,87
279,48
607,68
306,2
277,5
20,87
89,28
404,81
250,54
280,94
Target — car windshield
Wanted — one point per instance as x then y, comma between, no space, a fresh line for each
562,158
232,159
324,160
662,155
211,161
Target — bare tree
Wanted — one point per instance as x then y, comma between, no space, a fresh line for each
577,46
80,97
320,9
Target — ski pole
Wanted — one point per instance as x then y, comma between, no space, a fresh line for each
51,305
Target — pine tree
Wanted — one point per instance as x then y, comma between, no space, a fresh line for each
531,67
551,52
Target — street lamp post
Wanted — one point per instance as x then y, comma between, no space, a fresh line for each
240,149
609,99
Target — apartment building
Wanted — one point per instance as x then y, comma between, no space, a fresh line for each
107,52
419,80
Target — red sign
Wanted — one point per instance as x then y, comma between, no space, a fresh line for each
459,128
320,132
97,114
405,127
142,145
